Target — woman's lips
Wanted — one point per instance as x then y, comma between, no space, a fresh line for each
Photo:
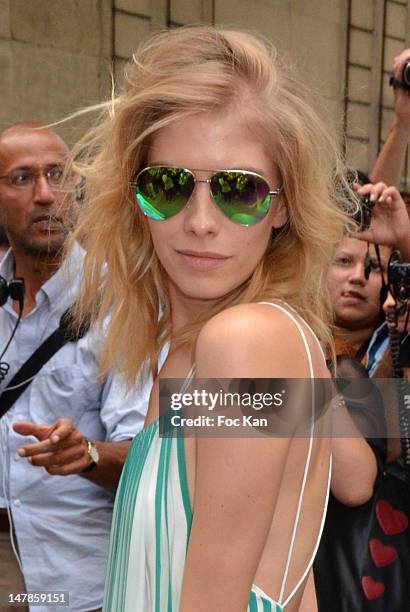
203,260
352,297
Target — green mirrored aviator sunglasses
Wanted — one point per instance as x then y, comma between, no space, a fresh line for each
243,196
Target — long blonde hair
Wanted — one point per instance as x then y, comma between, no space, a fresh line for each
176,74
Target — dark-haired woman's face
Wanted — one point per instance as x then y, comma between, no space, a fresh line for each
403,318
204,253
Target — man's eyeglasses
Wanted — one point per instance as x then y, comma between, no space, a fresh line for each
26,179
243,196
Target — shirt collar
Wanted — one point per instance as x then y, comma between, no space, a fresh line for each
7,266
67,277
62,286
378,335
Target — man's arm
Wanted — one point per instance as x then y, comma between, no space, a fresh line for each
62,449
389,164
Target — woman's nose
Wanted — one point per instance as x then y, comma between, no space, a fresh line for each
389,301
357,273
201,215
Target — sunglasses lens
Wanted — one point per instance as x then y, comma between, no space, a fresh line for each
242,196
163,192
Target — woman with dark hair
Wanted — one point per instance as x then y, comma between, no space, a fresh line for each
358,557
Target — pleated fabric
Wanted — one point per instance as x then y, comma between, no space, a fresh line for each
150,532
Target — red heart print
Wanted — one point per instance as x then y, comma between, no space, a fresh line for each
382,555
372,589
391,521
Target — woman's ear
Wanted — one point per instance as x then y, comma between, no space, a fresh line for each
280,216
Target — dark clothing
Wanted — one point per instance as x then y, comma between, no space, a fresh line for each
363,561
364,552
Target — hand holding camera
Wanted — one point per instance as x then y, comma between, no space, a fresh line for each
400,81
385,217
403,70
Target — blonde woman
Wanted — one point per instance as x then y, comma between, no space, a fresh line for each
209,147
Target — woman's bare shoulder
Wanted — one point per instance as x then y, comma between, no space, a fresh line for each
252,340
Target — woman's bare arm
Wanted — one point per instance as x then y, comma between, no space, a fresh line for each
354,470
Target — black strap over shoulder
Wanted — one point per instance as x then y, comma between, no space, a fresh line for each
21,380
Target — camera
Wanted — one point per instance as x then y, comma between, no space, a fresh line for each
404,81
364,216
398,276
360,209
405,77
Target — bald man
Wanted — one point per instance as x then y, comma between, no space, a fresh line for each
65,439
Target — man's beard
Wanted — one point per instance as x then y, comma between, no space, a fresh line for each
43,249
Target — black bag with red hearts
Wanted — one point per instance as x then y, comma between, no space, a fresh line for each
363,561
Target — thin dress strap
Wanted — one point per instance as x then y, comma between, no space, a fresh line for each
188,379
294,318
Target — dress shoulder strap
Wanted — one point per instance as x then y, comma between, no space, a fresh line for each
299,323
188,379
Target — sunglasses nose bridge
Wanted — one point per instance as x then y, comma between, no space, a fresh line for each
196,181
208,180
200,215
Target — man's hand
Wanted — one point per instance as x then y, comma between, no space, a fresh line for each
390,223
61,449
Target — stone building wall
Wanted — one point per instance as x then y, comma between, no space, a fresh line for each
54,56
57,56
306,32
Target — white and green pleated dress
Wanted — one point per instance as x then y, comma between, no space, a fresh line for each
151,526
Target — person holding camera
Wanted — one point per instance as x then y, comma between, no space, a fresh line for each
356,556
354,282
390,228
385,367
358,272
389,163
65,438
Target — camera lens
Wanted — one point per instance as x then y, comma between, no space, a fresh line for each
406,73
366,212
